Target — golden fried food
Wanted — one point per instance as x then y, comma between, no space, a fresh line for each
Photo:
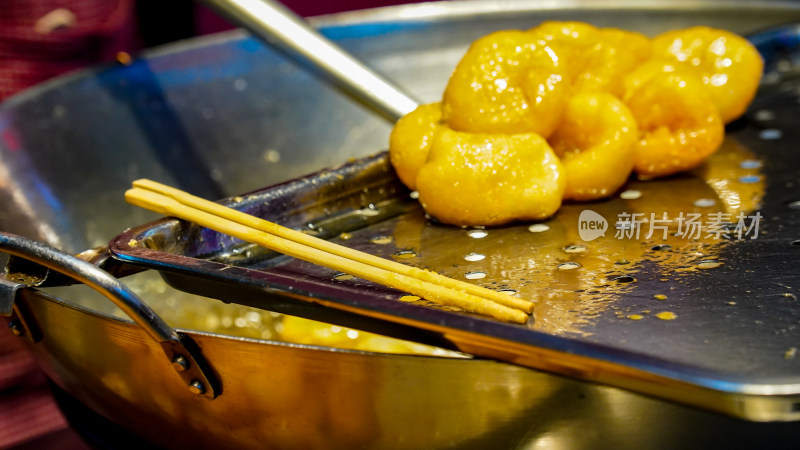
646,72
490,179
571,39
507,82
411,139
608,101
616,53
728,64
595,142
596,58
678,123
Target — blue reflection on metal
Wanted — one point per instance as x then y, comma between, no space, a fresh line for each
776,44
369,29
222,61
192,72
24,164
46,193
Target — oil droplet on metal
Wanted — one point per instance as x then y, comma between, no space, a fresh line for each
568,266
474,257
708,264
630,194
538,228
704,202
749,179
575,249
771,77
409,298
764,115
770,134
345,236
369,212
477,234
624,279
750,164
381,240
405,254
475,275
667,315
635,317
343,277
660,297
272,156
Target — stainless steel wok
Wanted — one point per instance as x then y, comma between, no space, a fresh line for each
224,115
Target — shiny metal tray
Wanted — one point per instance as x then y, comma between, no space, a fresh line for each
711,321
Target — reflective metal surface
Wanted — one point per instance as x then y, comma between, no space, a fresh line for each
186,358
284,396
583,324
280,27
90,275
225,115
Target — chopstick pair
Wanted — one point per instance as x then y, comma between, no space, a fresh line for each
423,283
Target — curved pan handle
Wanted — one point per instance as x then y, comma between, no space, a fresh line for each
181,351
289,33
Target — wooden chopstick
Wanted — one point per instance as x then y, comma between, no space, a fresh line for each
434,292
330,247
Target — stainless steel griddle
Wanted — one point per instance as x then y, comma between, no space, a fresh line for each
732,343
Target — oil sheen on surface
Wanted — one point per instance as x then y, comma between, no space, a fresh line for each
572,280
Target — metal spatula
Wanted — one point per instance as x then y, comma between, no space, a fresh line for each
289,33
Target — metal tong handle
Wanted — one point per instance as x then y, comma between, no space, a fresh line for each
181,351
289,33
